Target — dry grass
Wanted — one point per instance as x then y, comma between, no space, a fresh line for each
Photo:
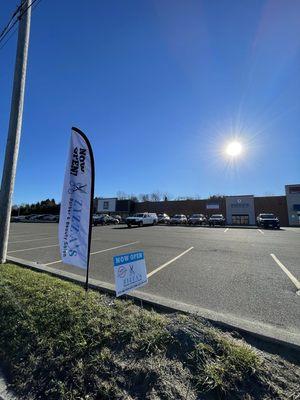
54,344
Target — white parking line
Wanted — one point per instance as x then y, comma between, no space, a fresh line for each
100,251
33,248
26,234
42,247
168,262
289,274
33,240
259,230
226,230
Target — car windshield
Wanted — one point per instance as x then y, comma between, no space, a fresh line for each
139,215
217,216
267,216
197,215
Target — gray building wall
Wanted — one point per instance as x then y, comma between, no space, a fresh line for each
293,204
240,205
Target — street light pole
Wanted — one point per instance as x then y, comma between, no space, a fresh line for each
15,125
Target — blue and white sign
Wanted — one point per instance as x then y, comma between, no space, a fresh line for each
130,272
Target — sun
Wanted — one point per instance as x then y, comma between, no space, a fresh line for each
234,149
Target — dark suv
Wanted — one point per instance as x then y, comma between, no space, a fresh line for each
267,221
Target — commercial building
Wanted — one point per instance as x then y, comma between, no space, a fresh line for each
292,193
272,204
112,205
187,207
238,210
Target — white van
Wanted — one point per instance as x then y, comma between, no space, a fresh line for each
142,219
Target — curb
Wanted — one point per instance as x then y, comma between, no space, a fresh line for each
253,329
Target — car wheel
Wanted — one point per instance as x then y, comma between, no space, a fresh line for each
128,225
140,224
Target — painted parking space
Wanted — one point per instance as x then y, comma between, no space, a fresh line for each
227,270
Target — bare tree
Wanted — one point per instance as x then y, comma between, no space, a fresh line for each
122,195
144,197
133,197
216,196
166,196
155,196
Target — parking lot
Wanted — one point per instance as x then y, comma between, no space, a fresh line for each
243,274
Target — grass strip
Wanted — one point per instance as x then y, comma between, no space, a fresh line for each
54,344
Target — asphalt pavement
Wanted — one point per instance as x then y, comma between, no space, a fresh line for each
246,274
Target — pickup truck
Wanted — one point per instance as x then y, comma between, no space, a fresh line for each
142,219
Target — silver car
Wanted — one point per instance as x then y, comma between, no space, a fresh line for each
178,219
197,219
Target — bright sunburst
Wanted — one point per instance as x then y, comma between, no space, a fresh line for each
234,149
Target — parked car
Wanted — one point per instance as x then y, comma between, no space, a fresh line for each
97,219
104,219
142,219
197,219
216,219
163,218
112,220
16,219
267,221
118,217
48,218
35,217
178,219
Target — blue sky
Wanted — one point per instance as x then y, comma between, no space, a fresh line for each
160,87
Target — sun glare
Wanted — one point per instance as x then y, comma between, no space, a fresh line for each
234,149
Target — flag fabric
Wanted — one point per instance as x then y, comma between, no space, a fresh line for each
76,210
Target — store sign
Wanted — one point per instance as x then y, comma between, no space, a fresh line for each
240,205
130,272
214,206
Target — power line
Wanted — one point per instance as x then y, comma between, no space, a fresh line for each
10,21
9,37
9,26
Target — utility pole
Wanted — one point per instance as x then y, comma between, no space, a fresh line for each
15,125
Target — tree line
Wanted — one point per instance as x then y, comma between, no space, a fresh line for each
160,196
48,206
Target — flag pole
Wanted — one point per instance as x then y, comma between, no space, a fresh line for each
91,203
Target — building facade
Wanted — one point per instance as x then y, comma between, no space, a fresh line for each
292,193
111,205
206,207
238,210
272,204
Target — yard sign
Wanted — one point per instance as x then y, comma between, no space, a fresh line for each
130,272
